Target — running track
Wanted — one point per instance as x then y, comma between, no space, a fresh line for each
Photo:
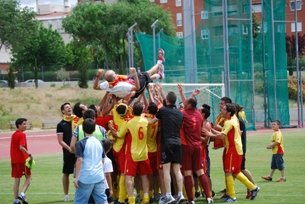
39,143
45,142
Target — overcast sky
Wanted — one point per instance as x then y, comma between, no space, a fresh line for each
32,3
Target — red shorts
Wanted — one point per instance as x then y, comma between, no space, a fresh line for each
19,169
152,156
191,158
232,162
119,158
140,167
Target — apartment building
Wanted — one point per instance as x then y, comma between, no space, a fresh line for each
175,7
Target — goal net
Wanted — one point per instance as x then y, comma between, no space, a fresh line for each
210,94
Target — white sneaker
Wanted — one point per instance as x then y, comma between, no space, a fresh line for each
66,198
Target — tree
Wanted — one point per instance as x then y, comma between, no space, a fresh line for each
15,24
291,48
44,48
103,27
79,56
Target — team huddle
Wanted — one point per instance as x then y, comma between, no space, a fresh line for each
149,146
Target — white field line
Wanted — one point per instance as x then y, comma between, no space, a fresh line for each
31,136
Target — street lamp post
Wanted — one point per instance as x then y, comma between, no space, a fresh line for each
153,26
130,45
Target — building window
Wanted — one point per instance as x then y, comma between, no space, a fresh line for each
256,8
179,34
204,15
204,34
179,19
299,27
245,29
163,1
297,6
178,3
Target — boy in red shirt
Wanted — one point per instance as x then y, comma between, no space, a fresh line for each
19,154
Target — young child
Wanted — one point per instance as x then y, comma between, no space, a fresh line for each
19,155
277,146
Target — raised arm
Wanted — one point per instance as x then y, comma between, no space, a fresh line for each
99,74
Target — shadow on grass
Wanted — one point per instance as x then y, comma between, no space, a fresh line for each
56,201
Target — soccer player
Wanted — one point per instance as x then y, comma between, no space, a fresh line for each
152,132
191,150
64,135
136,152
19,154
219,143
121,113
277,147
232,156
123,86
243,130
171,119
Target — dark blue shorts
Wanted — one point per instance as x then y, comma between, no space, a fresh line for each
277,162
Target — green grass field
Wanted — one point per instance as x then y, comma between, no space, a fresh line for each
46,184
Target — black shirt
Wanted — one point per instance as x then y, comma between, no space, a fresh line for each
65,127
171,119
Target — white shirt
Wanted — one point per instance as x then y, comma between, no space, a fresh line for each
121,89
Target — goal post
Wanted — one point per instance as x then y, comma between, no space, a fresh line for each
210,93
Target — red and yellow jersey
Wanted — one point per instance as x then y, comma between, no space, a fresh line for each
119,122
232,136
136,139
152,132
278,138
121,78
220,120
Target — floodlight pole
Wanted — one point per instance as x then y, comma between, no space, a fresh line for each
252,67
226,48
153,26
274,65
299,75
130,45
159,38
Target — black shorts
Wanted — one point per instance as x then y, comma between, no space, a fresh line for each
144,80
171,154
69,162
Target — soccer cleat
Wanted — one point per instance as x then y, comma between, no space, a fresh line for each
197,194
228,199
161,54
281,180
180,199
66,198
210,200
157,197
22,198
248,196
267,178
254,193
